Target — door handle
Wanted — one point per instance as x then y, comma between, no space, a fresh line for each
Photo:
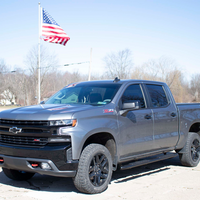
147,117
173,114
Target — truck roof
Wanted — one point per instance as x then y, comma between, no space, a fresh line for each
119,81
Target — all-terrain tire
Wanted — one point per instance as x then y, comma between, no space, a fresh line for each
94,170
17,175
191,155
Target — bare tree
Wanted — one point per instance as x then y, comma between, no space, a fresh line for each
163,69
195,87
118,64
3,70
7,84
21,83
166,70
48,62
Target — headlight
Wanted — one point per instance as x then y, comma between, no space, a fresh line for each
63,122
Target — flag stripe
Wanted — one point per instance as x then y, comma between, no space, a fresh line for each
54,33
49,35
51,31
51,27
56,40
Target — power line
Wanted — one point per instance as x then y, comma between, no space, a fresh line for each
65,65
7,72
76,63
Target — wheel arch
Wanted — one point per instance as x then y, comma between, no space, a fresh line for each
106,139
195,127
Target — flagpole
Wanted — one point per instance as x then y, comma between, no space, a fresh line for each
39,22
89,74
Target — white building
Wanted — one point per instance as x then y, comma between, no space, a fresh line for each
7,98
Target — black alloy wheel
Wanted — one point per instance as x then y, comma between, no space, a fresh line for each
94,170
190,155
195,150
98,170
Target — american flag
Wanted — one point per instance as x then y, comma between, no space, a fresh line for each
51,31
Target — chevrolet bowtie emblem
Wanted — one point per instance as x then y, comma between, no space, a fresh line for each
15,130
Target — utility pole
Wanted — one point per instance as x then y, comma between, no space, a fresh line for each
39,22
89,74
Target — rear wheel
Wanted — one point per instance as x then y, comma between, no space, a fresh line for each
17,175
191,156
94,170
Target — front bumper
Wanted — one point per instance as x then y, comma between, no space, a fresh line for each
56,155
24,164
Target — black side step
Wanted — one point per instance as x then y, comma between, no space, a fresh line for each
148,161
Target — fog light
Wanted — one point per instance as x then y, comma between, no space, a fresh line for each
45,165
67,139
34,165
1,160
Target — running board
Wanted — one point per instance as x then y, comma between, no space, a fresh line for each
148,160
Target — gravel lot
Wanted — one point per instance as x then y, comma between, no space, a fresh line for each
162,180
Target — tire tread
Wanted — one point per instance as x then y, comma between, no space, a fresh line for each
185,158
80,180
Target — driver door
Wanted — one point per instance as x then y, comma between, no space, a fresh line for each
136,126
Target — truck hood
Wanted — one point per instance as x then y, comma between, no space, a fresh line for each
44,112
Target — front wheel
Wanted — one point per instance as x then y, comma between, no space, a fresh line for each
17,175
94,170
191,155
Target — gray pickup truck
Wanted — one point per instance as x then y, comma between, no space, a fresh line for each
89,129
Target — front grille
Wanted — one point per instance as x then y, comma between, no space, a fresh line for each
4,129
23,140
33,131
23,122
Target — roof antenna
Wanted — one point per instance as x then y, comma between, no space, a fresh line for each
116,80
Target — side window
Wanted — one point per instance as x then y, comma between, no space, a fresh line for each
133,92
157,95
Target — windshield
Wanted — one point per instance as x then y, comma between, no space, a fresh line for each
94,94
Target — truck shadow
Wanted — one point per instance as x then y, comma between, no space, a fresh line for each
41,183
125,175
57,184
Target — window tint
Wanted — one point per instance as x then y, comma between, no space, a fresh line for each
133,92
158,96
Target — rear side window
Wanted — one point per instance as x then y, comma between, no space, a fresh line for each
133,92
157,95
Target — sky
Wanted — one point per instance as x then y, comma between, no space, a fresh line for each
149,28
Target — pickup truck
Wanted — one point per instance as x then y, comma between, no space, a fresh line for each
87,130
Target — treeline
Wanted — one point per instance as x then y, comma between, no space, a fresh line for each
21,86
163,69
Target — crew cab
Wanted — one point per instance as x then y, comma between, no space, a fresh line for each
87,130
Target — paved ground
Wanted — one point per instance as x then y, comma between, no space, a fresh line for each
163,180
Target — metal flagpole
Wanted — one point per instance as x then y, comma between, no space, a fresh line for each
39,53
90,65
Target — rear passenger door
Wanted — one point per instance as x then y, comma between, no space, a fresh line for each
165,117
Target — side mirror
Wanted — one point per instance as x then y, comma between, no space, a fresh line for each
42,102
131,105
